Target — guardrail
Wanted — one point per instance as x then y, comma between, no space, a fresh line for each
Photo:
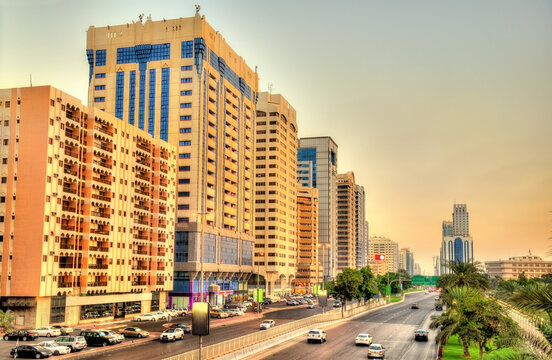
242,342
529,327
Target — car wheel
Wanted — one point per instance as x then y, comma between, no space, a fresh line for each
71,349
24,338
48,335
139,336
56,353
6,338
104,344
38,356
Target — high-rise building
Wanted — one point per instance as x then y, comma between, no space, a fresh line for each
361,228
181,82
457,246
87,209
436,266
346,221
406,260
384,246
308,271
275,192
319,155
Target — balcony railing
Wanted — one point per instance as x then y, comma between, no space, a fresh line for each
69,190
97,248
65,285
100,214
99,231
141,192
141,237
98,283
140,252
139,268
105,131
70,172
100,197
104,181
139,283
69,208
143,177
97,266
146,149
66,265
102,164
71,153
68,227
142,222
103,147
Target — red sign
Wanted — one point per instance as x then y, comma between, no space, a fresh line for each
379,257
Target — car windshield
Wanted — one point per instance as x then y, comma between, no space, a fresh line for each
314,332
375,347
169,331
362,335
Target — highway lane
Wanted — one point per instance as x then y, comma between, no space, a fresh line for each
392,326
156,350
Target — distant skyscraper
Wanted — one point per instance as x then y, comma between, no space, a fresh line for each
436,266
317,167
457,246
346,221
361,229
406,261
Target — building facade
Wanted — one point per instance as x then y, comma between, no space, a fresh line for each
361,228
319,156
309,271
276,192
531,266
87,209
457,246
181,82
346,221
384,246
406,260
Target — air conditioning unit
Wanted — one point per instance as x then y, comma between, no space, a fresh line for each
57,137
54,194
55,174
56,156
54,213
52,253
58,118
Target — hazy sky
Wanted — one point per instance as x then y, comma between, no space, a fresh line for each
430,102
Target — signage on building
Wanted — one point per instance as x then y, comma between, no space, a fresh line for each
379,257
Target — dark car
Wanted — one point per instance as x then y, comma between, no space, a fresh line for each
439,307
96,337
30,351
414,306
185,327
21,335
420,335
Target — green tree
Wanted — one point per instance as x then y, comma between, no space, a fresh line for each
6,320
383,280
348,283
464,274
369,286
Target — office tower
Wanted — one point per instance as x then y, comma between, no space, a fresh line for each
387,247
361,228
320,153
180,81
436,266
346,225
308,271
275,192
417,269
457,246
406,260
88,207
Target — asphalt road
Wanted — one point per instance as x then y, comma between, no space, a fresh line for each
154,350
392,326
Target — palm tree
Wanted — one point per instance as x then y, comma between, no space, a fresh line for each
534,297
6,320
464,274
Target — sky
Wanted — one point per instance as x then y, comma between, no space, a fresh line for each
431,103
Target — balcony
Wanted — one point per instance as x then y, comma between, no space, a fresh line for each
103,130
70,172
139,283
97,266
140,252
71,135
99,231
141,237
102,164
65,285
69,190
98,283
103,147
140,268
144,148
101,197
68,227
100,214
98,248
141,222
71,153
101,180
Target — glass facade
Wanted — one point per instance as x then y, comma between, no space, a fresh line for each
151,103
119,91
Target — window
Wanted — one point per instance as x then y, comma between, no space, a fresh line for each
185,105
185,143
100,76
183,220
99,87
186,80
183,181
187,49
183,168
99,99
185,92
185,130
186,68
6,123
183,207
183,194
184,156
100,57
185,117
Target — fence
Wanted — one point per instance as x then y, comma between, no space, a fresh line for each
232,345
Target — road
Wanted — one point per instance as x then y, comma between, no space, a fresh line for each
392,326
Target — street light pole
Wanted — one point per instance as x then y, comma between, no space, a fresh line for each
200,257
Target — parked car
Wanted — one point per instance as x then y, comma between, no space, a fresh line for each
310,306
421,335
316,335
436,297
185,327
414,306
236,312
30,351
337,304
181,311
363,339
47,331
98,337
65,330
134,332
119,337
147,317
376,351
161,315
267,324
172,335
217,313
55,348
439,307
292,303
21,335
75,343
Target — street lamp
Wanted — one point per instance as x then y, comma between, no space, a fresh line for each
203,215
258,286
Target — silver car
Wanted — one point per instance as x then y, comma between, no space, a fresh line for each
75,343
376,351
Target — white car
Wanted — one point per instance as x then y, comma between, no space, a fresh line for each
172,335
316,335
363,339
236,312
147,317
267,324
436,297
47,331
55,348
119,337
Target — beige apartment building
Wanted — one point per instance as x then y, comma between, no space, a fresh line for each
346,221
180,81
383,246
309,269
532,266
87,207
276,192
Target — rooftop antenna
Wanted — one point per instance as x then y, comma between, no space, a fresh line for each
31,79
149,16
270,88
140,16
198,7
